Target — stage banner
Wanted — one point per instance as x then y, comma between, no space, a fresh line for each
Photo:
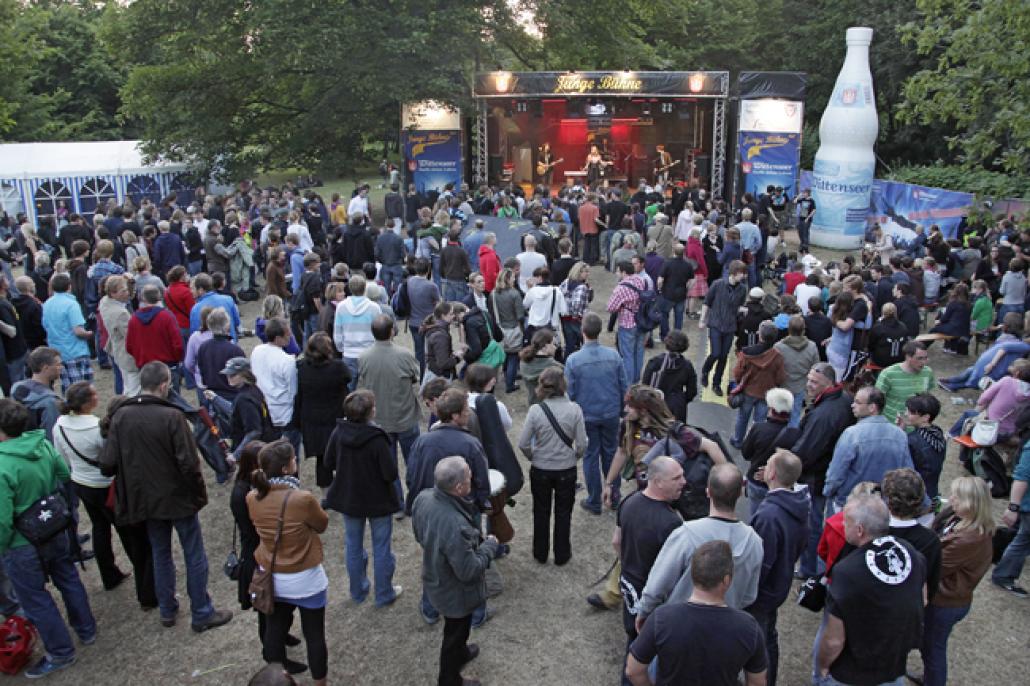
898,207
433,158
769,159
596,83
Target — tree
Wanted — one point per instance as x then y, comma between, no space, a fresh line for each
58,82
979,81
250,84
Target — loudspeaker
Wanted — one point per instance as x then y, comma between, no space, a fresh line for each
702,165
494,166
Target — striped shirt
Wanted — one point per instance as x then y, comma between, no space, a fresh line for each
898,386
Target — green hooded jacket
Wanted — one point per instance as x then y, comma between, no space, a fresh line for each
30,468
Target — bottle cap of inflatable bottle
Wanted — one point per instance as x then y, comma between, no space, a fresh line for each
859,35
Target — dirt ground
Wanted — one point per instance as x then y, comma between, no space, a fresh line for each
544,632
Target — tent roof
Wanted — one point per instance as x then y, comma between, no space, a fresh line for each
45,160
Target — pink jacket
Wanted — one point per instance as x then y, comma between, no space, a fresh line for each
1002,400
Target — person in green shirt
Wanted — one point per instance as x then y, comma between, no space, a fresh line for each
901,381
983,309
30,469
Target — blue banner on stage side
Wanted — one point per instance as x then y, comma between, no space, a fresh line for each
898,207
433,158
769,159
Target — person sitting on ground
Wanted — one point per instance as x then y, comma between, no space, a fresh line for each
993,362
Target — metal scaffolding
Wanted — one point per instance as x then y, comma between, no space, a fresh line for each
718,147
481,162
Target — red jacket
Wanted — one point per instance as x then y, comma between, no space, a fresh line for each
489,266
179,301
154,335
792,280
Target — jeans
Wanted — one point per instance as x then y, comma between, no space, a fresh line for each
631,347
511,370
1010,566
392,277
431,612
811,565
192,542
453,291
312,624
357,558
767,623
194,267
558,485
28,574
602,435
676,308
310,327
352,367
405,439
454,652
292,435
804,225
572,332
16,369
606,249
937,625
1002,311
752,405
719,344
756,492
795,411
419,342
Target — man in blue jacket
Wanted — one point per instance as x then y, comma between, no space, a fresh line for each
597,383
781,520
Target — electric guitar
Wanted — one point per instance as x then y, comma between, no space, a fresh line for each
544,167
664,168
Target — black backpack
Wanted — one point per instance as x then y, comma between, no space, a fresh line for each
649,313
401,303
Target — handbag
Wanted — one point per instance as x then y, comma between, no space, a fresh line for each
44,519
735,396
985,432
812,592
262,586
493,354
513,337
232,560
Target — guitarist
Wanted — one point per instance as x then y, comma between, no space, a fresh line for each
662,165
545,165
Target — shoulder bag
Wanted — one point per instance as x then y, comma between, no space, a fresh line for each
262,586
554,424
513,337
232,560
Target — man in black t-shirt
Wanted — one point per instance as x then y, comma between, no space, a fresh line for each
672,283
643,522
875,603
701,642
806,213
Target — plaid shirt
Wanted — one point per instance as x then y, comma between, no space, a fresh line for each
578,299
625,301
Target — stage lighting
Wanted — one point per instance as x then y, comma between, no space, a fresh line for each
502,81
696,82
645,109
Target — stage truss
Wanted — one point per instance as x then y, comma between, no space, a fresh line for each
479,170
718,174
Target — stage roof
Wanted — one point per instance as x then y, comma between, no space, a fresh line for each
696,84
44,160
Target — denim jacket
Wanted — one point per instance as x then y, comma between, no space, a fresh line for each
865,452
597,381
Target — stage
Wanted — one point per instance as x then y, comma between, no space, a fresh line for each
602,128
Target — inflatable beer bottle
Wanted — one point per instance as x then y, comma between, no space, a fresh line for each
844,165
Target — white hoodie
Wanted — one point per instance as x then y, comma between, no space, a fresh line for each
544,306
669,580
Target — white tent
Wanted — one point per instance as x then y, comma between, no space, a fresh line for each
38,178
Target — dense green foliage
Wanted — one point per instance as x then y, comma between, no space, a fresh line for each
248,84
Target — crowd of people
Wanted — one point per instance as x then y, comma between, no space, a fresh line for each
825,366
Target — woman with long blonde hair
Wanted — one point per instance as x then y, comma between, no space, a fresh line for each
966,529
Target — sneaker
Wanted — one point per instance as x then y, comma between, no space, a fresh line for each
88,641
704,382
473,652
1011,587
717,391
217,619
397,590
47,666
168,622
427,619
594,600
294,667
398,516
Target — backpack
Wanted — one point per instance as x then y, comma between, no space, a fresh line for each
400,302
693,503
17,641
986,463
649,313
